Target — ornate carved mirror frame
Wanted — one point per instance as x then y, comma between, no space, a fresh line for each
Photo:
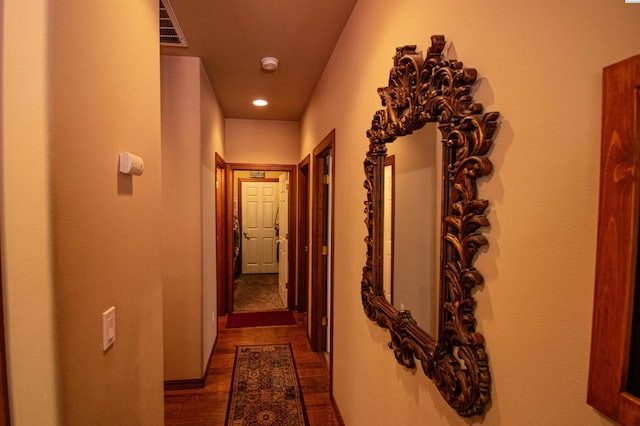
423,90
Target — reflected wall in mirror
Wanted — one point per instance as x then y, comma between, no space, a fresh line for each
412,228
388,227
427,249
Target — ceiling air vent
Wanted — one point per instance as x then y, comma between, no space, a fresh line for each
170,32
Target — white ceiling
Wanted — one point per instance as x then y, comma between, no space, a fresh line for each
232,36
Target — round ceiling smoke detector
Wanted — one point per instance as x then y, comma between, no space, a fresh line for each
269,63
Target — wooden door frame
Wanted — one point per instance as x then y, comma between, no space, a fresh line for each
221,236
319,273
233,167
5,418
617,266
303,234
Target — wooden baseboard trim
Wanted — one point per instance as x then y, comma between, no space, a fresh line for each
335,407
184,384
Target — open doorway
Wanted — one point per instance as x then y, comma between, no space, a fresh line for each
260,213
256,215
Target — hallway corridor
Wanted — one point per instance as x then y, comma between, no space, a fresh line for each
208,406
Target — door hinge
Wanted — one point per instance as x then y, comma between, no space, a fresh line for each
326,179
325,250
325,321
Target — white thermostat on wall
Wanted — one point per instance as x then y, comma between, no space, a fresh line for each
131,164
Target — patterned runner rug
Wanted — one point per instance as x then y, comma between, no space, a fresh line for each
265,388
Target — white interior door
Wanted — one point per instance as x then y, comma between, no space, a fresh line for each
283,237
259,207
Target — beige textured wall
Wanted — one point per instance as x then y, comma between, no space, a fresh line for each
105,99
192,132
77,236
27,247
182,217
212,137
541,68
261,141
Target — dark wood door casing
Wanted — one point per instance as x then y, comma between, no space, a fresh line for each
320,275
303,235
5,419
221,236
617,250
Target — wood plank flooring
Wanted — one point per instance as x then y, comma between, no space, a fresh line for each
208,406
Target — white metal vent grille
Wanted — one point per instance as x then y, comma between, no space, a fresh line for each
170,32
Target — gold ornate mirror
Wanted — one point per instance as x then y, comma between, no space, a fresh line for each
420,91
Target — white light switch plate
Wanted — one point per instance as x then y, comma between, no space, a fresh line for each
108,327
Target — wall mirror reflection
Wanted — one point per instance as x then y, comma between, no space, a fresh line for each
427,148
412,225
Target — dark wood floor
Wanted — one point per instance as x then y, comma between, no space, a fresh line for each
208,406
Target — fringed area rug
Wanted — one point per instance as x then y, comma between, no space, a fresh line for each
265,388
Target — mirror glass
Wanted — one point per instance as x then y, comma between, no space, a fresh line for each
388,227
412,225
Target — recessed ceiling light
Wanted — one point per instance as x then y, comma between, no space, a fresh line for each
260,102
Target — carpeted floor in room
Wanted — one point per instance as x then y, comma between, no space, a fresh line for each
256,292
